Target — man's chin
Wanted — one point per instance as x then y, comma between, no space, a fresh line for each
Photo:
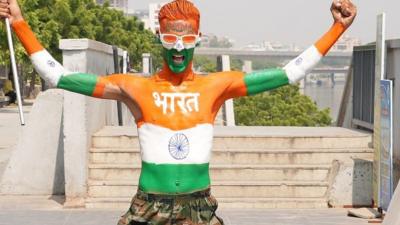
177,68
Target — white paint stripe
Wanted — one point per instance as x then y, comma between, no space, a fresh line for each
299,67
155,142
47,67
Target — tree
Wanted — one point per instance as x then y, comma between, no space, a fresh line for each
284,106
209,65
205,64
52,20
216,42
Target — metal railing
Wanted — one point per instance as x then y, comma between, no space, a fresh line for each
363,86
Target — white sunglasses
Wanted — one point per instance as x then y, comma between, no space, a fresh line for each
170,41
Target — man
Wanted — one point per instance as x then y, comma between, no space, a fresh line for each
175,108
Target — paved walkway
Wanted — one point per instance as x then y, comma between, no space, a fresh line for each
231,217
10,127
49,211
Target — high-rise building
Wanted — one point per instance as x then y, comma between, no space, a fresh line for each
150,17
154,9
346,44
122,5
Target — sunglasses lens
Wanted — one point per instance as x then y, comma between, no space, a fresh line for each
169,38
189,39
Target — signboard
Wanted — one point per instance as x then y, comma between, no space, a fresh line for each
379,75
386,144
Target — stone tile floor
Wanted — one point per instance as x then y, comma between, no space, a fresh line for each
231,217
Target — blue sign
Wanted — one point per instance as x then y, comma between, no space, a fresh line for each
386,145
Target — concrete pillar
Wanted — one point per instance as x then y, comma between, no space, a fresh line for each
147,64
224,64
83,115
248,66
302,85
125,61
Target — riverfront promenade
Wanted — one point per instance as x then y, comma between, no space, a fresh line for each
17,210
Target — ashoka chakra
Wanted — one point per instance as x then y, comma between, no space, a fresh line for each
179,146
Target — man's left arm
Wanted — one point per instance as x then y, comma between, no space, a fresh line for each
343,12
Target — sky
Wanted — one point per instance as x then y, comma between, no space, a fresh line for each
299,22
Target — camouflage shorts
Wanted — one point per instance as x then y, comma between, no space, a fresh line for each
189,209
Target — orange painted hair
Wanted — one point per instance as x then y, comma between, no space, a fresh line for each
180,10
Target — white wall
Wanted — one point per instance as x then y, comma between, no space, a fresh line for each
36,163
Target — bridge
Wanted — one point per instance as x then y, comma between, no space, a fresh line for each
262,54
333,59
343,70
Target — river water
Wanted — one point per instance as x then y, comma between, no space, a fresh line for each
326,95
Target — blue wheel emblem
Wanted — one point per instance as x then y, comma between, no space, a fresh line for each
299,61
51,63
179,146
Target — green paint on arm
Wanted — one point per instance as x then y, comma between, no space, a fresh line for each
265,80
79,83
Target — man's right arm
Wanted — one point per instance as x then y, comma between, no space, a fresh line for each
52,71
58,77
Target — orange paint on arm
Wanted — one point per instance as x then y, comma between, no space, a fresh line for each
107,83
27,37
237,86
99,88
329,39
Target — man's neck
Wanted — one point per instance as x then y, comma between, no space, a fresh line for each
176,78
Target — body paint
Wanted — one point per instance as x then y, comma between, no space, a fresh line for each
179,26
178,68
299,67
265,80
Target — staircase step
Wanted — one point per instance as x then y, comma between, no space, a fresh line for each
272,203
252,142
229,203
270,189
251,167
239,156
252,138
222,172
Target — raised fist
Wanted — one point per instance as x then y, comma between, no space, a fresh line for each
344,12
10,9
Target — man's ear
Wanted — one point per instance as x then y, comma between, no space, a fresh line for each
199,43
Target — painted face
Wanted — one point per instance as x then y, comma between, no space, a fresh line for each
179,39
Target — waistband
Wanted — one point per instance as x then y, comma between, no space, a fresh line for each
160,197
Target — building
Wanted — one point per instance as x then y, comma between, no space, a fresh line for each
346,44
272,46
154,9
122,5
214,41
150,16
143,15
